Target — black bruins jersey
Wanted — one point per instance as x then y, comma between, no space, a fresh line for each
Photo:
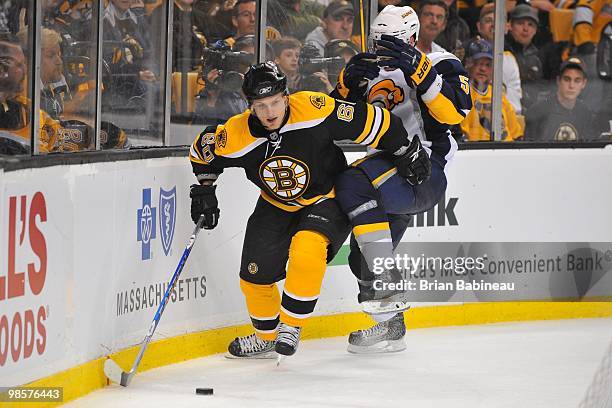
295,166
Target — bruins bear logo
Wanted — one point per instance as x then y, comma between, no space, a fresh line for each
317,101
221,140
566,131
386,94
287,178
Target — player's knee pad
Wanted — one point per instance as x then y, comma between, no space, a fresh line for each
307,262
305,271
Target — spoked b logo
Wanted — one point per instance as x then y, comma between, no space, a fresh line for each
286,177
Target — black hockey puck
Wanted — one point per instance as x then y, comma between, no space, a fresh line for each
204,391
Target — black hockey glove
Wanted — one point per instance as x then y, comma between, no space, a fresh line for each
204,201
395,53
413,162
353,80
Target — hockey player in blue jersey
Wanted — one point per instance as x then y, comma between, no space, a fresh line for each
380,192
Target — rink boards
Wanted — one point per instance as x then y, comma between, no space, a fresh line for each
86,251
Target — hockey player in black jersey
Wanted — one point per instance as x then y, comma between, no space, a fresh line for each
429,93
285,144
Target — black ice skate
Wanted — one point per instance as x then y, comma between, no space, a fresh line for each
384,337
251,346
287,339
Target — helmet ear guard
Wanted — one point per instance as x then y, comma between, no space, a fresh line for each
400,22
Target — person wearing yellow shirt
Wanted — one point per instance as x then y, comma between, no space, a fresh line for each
14,106
478,123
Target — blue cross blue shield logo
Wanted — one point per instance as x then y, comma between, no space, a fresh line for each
146,224
167,217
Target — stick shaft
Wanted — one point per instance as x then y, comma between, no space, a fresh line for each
164,301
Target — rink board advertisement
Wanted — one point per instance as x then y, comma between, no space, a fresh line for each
87,250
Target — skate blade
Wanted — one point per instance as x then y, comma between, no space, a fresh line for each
387,346
373,307
279,359
270,355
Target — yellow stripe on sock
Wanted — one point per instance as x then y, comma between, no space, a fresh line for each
367,228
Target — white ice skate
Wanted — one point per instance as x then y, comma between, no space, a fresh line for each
383,337
380,301
251,347
287,341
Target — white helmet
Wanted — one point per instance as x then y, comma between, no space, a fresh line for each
400,22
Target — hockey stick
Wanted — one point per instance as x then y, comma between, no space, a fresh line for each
112,369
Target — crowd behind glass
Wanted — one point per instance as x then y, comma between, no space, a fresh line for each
557,64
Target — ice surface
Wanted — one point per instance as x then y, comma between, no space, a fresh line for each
527,365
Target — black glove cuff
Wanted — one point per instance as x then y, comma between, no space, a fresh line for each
197,190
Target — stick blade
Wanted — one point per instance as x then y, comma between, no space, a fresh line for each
113,372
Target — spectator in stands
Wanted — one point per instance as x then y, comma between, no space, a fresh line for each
304,66
187,41
222,97
287,56
432,15
71,20
313,75
295,18
243,19
399,3
138,7
590,19
59,106
214,18
121,25
469,11
478,123
55,90
339,48
246,45
13,70
9,16
14,107
131,83
456,31
523,27
511,74
563,116
337,24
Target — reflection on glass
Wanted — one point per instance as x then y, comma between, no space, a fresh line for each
15,103
133,72
223,71
555,71
213,48
478,123
67,74
314,41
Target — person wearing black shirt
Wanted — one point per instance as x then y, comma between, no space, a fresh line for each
563,116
